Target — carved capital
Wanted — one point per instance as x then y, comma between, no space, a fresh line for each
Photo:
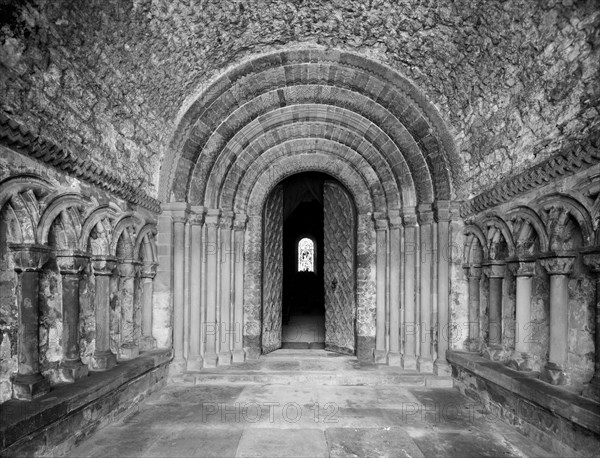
425,214
381,221
240,221
495,269
148,269
197,215
409,216
71,262
592,259
522,267
558,264
104,265
29,257
443,211
226,221
212,217
475,271
128,267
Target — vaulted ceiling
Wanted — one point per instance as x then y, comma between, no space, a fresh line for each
500,85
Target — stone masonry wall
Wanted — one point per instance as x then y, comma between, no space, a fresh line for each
516,80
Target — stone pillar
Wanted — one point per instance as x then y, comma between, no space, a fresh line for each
381,228
495,271
473,341
179,218
103,357
444,252
71,265
195,361
394,357
592,391
409,359
226,329
425,360
147,274
128,270
211,253
559,267
523,270
28,261
239,227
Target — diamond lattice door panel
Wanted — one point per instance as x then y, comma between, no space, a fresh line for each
338,265
272,271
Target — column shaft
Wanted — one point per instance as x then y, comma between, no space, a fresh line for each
225,326
103,357
394,358
474,280
444,252
128,298
148,273
380,355
71,265
210,253
195,360
409,360
425,361
559,269
28,382
178,287
238,275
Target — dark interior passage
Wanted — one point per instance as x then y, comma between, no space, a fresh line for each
303,297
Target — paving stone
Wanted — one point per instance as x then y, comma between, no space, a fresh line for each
272,442
358,442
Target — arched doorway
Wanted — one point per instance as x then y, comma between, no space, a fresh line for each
312,285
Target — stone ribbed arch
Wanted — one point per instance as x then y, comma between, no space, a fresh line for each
383,133
96,217
474,231
370,142
253,192
332,154
341,76
70,203
533,219
580,212
502,230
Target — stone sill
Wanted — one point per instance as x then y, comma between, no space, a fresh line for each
570,406
21,418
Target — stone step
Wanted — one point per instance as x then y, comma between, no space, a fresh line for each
315,378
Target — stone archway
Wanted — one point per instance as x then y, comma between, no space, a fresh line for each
279,115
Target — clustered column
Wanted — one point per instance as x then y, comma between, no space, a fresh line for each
409,358
28,261
147,275
239,227
71,265
474,280
495,271
426,254
559,267
395,235
103,357
128,270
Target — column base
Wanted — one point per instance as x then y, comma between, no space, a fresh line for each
147,343
441,367
394,359
409,362
252,353
71,371
380,357
177,366
520,361
194,363
29,387
592,391
238,356
225,358
425,364
129,351
210,360
103,360
554,374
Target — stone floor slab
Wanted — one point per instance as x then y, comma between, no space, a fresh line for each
359,442
272,442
